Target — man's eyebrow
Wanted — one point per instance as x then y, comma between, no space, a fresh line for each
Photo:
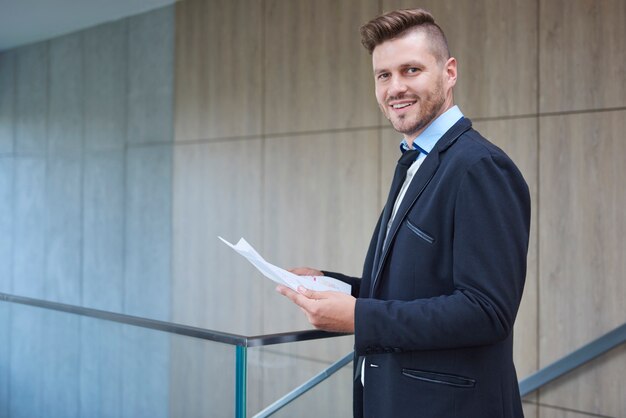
412,64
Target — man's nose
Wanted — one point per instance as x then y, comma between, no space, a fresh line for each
397,87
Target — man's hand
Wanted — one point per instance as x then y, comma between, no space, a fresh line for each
330,311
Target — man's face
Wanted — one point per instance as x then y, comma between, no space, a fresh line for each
412,88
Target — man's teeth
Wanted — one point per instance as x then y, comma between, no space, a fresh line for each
400,106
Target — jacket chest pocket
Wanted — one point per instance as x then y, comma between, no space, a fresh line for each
419,232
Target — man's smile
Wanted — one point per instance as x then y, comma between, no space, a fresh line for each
399,105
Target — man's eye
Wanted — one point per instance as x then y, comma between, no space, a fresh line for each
383,76
412,70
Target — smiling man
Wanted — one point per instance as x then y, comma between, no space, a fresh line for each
433,312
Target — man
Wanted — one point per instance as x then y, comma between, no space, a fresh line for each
433,313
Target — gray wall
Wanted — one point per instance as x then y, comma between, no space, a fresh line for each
86,128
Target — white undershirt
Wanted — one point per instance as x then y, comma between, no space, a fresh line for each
407,181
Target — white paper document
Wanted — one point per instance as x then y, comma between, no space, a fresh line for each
284,277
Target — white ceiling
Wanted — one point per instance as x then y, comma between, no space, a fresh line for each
26,21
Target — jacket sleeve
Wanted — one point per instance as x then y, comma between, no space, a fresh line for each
490,242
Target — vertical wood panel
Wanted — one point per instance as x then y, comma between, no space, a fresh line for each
317,75
582,55
556,412
495,44
217,191
530,410
320,206
582,260
218,68
280,374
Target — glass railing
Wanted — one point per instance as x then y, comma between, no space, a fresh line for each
59,360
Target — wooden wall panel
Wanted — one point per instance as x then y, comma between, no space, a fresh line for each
320,208
495,44
557,412
317,74
582,260
530,410
217,191
582,55
280,374
218,69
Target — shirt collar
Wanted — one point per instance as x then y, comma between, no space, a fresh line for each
426,141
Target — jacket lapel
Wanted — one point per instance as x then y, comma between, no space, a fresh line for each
423,176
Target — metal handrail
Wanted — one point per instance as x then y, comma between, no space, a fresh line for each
174,328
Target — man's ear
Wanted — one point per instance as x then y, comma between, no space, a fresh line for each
450,71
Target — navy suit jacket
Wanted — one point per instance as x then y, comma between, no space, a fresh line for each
436,305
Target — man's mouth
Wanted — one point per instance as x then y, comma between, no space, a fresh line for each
401,105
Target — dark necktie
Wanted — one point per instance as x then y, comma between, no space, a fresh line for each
405,161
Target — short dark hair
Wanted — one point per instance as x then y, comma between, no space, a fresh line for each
396,23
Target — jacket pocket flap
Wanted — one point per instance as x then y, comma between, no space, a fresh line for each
440,378
423,235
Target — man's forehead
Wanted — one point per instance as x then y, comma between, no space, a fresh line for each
411,46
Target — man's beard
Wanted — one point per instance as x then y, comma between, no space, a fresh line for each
429,107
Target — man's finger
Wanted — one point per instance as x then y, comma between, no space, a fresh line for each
295,297
311,294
